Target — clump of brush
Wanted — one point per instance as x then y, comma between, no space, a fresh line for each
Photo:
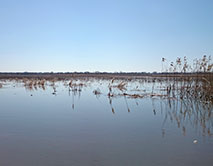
75,86
34,84
194,80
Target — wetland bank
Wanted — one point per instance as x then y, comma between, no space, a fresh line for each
106,119
106,83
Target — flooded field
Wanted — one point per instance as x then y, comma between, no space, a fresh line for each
102,122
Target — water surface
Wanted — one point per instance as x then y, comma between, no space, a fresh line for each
61,126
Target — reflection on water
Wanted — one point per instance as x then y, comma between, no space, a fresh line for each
174,107
189,112
102,122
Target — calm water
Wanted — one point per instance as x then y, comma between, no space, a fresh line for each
62,127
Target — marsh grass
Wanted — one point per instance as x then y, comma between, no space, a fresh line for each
180,80
184,98
191,80
34,84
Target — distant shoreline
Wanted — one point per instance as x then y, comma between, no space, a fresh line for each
68,75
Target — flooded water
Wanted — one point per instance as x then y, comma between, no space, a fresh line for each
100,125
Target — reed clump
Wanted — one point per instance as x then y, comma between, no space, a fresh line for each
34,84
75,86
188,80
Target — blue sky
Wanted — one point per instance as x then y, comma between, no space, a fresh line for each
102,35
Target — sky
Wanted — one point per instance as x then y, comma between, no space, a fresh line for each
102,35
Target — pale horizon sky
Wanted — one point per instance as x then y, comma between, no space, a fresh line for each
102,35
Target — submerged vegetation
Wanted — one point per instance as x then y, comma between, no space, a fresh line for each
179,79
184,90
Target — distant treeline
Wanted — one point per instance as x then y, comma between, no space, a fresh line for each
98,74
102,73
179,68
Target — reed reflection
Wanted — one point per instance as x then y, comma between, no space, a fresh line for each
185,101
75,88
184,112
